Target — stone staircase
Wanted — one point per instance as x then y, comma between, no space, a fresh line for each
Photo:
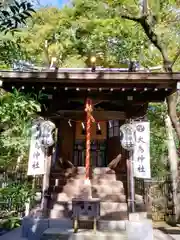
106,185
68,184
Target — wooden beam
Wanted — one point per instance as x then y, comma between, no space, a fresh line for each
98,115
89,78
139,97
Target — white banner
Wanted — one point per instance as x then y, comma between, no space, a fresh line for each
141,153
36,154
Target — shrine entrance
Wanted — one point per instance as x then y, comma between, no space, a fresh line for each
97,153
90,137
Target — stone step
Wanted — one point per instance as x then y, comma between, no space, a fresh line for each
95,178
113,211
82,234
104,189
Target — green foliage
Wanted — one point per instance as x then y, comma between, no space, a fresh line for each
11,51
14,15
159,153
12,199
158,144
95,27
15,195
78,32
11,223
17,110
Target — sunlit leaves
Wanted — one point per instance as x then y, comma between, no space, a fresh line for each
14,16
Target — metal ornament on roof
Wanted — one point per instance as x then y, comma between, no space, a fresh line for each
127,136
47,133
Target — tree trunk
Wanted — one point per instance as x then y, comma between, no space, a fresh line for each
172,119
171,103
172,158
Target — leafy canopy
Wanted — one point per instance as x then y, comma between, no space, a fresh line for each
13,16
86,28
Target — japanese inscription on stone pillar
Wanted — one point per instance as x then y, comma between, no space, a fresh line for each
36,153
141,155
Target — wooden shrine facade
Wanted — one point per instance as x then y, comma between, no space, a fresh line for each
116,97
121,95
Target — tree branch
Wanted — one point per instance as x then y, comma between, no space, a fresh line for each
145,7
46,54
154,38
131,18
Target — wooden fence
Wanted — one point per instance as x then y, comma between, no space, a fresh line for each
158,193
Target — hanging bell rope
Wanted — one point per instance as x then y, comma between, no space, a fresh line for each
89,119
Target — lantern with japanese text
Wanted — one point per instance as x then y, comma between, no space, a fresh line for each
127,136
47,133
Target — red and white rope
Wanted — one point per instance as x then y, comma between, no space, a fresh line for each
89,119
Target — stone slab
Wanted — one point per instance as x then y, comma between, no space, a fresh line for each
61,223
33,228
138,216
104,225
139,230
159,235
13,235
56,234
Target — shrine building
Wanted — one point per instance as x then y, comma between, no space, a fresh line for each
116,98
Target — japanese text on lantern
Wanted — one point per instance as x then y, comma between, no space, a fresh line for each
36,154
141,156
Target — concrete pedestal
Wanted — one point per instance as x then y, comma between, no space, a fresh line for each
33,228
139,228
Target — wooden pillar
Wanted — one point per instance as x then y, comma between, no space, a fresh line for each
45,191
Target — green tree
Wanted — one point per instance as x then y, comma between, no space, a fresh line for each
13,16
159,22
16,114
74,34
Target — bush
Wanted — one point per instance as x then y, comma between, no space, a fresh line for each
12,199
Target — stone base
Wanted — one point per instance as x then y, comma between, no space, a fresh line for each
139,230
138,216
33,228
56,234
56,229
111,225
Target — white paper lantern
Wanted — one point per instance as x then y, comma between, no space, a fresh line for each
127,134
46,133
